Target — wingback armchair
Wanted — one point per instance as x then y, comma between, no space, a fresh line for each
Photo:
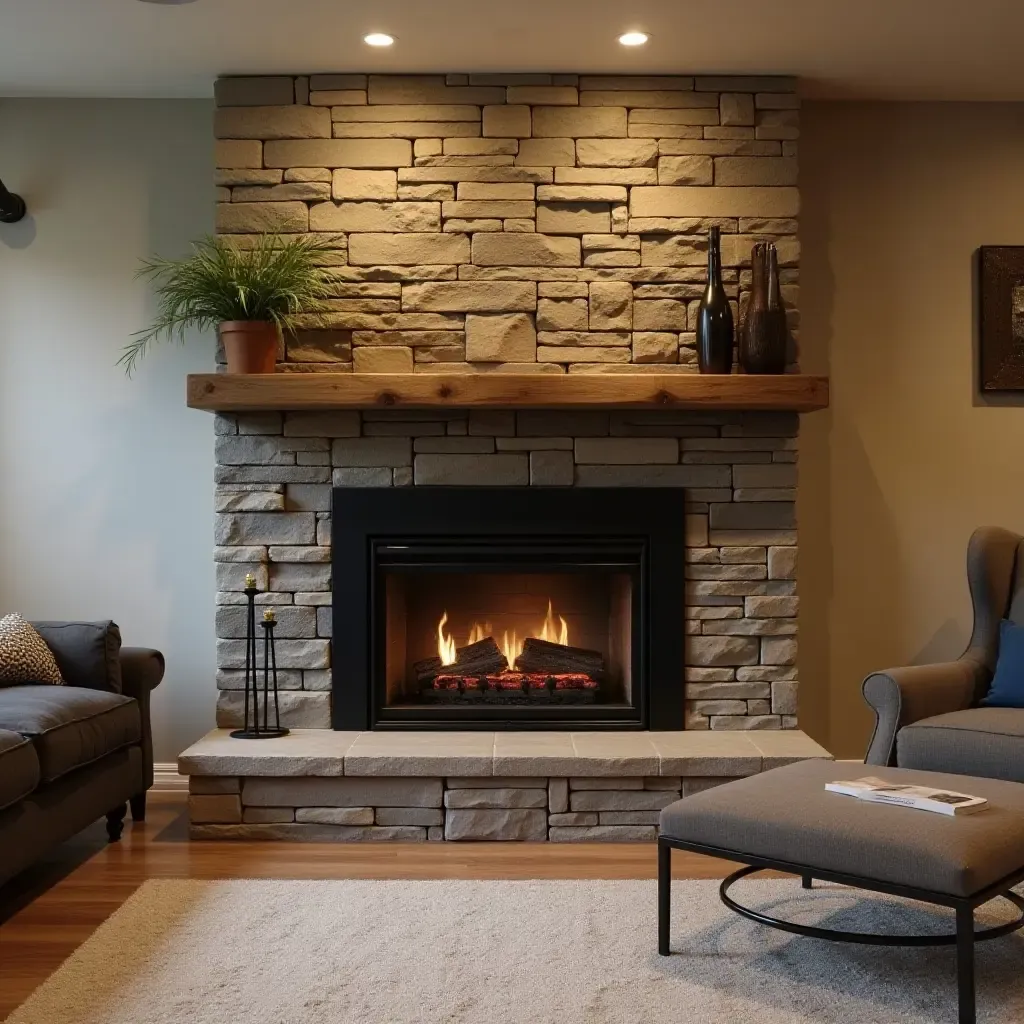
928,716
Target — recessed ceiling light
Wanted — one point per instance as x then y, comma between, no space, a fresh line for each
633,38
378,39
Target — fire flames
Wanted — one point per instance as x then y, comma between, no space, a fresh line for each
511,644
445,644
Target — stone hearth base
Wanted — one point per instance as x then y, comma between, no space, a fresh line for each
562,787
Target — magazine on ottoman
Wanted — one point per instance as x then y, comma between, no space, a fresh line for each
922,798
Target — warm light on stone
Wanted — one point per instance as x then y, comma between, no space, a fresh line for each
551,224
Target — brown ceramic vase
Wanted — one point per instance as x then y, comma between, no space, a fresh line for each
250,346
764,333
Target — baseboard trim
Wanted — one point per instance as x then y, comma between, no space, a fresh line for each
167,780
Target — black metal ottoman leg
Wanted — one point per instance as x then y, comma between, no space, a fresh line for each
808,881
664,895
965,963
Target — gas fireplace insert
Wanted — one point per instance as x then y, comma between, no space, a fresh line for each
509,608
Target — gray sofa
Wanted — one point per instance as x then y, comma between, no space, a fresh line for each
72,754
927,716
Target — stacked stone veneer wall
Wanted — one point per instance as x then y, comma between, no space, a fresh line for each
550,223
516,223
275,472
486,808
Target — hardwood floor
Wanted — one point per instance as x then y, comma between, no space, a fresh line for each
46,913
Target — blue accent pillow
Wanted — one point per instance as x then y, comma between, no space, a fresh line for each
1007,690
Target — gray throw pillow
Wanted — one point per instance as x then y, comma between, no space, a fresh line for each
87,653
24,656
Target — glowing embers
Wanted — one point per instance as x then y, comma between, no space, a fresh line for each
513,688
518,681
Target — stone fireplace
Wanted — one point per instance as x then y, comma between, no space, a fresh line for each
549,227
737,533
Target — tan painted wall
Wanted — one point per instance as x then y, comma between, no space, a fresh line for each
908,460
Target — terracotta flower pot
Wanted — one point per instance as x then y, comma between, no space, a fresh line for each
250,346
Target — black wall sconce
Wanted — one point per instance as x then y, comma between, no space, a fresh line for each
12,207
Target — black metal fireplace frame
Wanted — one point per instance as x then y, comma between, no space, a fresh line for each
368,520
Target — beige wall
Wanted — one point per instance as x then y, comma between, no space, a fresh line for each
908,460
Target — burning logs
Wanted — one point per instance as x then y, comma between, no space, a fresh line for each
544,672
479,659
544,657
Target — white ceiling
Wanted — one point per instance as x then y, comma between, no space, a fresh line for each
887,49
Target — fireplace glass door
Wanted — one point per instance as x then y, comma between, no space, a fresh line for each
511,631
507,608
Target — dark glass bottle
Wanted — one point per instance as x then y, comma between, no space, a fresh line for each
714,317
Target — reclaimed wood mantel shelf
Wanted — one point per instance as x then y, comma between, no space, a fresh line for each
224,392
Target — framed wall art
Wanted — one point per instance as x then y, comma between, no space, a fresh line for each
1001,309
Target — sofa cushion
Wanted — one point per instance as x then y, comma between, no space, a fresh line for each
24,654
88,653
69,726
987,742
19,768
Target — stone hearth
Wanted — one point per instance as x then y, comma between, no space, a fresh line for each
559,787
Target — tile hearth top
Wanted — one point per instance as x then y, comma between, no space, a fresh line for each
505,754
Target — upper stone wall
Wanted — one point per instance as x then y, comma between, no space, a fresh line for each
588,197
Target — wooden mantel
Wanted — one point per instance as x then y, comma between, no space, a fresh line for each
224,392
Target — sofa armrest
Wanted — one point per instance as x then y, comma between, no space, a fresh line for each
901,696
141,669
141,672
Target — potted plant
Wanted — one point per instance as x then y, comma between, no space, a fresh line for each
249,295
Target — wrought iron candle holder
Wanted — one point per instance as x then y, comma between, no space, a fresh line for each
252,727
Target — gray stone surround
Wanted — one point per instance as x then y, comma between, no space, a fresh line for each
274,474
558,787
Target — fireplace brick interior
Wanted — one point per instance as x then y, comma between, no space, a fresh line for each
432,620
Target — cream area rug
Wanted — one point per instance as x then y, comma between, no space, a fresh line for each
504,952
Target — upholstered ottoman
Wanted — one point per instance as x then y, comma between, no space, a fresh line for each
785,819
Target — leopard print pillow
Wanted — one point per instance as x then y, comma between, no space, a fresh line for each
24,656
